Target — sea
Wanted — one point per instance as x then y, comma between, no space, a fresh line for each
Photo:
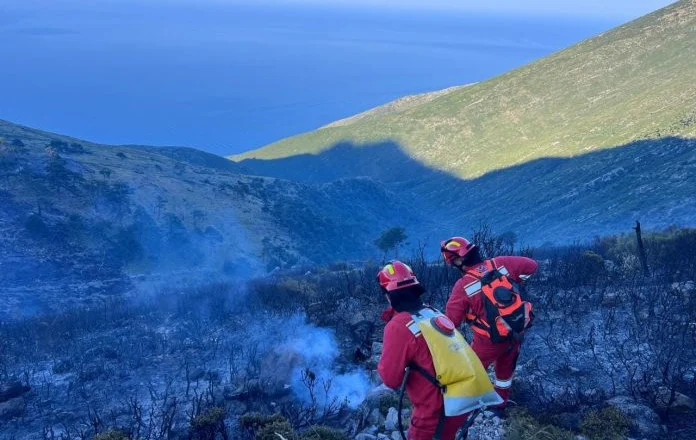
228,77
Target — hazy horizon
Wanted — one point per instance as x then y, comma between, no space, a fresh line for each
227,77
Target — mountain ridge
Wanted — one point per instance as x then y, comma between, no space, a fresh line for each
632,82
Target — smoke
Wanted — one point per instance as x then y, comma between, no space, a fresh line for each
313,352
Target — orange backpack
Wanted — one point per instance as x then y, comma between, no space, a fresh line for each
507,315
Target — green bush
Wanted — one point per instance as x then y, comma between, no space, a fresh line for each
264,427
323,433
605,424
271,431
112,434
205,426
523,426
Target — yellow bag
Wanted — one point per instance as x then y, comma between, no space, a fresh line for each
459,374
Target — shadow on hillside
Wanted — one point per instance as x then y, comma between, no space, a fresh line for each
385,161
548,199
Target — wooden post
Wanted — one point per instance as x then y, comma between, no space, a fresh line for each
641,249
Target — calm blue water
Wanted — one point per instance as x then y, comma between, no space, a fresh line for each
231,78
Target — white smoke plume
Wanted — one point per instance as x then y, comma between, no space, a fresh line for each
311,350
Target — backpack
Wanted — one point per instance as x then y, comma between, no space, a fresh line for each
459,374
507,315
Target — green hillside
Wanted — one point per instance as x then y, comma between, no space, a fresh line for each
634,82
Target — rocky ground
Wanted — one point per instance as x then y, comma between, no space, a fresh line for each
306,345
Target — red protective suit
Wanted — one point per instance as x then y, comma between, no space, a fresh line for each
503,355
400,349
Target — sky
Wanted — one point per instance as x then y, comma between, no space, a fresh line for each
228,76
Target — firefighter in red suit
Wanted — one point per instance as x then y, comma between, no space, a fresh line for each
401,348
466,303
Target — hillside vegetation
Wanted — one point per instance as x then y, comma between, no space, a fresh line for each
81,221
634,82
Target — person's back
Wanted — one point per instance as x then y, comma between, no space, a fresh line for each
405,345
401,348
469,303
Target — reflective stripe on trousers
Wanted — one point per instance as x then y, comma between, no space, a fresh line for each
503,383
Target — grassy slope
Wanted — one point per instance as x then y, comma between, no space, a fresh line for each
633,82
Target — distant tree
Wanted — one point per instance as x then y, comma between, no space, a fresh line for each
105,172
58,174
391,239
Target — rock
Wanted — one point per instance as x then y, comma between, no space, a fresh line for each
12,408
681,403
611,299
365,436
392,420
685,287
372,430
396,435
357,319
593,395
382,436
609,265
92,372
11,390
375,418
377,349
644,421
375,394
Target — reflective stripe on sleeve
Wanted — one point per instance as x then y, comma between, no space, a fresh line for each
413,327
473,288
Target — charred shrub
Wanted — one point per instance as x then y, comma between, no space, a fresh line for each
63,366
112,434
